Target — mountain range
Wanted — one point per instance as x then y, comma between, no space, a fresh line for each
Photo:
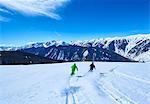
129,48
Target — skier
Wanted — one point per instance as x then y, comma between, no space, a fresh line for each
73,69
92,66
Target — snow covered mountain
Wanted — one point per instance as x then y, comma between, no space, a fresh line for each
75,53
135,47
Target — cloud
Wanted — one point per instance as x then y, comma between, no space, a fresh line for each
4,19
5,11
34,7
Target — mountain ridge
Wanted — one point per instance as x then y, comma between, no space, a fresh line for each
134,47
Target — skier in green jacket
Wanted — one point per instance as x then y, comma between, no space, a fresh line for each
73,69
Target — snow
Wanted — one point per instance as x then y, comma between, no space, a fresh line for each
133,41
85,54
143,57
110,83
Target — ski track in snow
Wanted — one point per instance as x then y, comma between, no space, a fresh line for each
131,77
95,87
74,93
112,92
116,95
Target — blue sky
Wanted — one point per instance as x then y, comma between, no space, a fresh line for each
71,20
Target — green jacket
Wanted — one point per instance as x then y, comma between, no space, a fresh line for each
74,68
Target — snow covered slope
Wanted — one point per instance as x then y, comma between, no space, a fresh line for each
135,47
110,83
